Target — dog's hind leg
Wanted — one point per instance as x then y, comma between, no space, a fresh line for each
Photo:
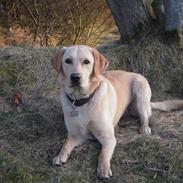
142,98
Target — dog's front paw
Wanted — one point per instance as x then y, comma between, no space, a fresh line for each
104,171
145,130
58,161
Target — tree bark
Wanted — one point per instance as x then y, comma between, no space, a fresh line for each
131,17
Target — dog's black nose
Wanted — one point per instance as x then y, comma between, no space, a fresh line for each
75,78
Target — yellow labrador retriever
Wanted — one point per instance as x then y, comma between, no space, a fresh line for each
93,101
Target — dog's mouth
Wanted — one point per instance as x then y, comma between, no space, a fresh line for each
75,85
77,93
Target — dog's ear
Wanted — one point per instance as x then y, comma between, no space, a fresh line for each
100,63
56,60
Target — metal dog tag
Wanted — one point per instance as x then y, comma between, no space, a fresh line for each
74,113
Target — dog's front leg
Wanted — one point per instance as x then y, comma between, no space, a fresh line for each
70,143
104,167
105,135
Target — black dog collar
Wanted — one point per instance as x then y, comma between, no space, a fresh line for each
81,101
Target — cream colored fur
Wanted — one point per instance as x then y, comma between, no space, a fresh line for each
168,105
114,92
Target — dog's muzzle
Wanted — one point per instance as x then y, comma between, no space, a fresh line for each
75,79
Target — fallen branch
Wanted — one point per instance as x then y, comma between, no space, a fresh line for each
155,169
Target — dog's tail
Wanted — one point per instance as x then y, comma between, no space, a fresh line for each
168,105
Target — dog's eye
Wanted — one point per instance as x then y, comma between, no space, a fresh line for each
86,61
68,61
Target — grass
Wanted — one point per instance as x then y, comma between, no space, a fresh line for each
30,139
156,57
12,170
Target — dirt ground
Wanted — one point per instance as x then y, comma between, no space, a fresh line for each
32,136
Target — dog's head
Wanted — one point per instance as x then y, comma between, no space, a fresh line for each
79,66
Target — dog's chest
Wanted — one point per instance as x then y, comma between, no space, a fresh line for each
77,119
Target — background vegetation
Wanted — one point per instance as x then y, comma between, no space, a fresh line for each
54,22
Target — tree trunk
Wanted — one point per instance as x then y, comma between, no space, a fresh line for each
131,17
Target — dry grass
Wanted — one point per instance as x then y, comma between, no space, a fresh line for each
156,57
29,140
